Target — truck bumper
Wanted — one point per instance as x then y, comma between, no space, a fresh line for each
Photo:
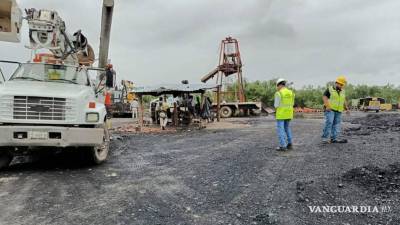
50,136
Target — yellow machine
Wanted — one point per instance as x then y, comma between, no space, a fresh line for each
386,107
128,88
372,104
122,99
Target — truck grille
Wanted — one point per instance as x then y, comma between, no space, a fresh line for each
6,104
41,108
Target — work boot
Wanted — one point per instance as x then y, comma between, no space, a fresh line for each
281,149
326,141
289,146
340,141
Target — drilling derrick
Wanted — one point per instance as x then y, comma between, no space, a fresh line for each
230,65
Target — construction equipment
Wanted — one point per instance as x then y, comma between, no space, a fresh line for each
371,104
10,21
122,99
386,107
106,21
50,101
230,64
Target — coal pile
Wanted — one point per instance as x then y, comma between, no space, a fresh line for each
374,123
381,181
264,219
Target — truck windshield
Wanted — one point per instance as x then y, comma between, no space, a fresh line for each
51,73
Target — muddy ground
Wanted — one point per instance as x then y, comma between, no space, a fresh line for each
216,176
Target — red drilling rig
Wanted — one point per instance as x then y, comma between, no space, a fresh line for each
230,65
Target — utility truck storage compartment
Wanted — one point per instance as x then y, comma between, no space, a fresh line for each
10,21
5,16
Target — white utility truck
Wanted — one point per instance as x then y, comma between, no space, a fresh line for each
49,102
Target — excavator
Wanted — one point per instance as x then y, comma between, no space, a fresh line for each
51,101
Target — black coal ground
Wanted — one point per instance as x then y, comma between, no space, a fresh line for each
231,176
374,123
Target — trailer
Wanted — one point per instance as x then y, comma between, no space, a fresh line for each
230,109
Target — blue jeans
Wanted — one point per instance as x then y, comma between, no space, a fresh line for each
284,133
332,124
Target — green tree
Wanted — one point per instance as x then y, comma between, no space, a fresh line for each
311,96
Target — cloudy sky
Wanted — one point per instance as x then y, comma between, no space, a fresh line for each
305,41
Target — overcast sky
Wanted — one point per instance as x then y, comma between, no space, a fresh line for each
305,41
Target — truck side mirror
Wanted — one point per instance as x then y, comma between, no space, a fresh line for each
10,21
99,83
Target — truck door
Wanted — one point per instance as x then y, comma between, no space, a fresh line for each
10,21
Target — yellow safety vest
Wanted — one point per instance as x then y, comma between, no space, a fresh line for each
285,110
337,100
164,106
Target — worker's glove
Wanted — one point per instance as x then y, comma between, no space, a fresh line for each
328,107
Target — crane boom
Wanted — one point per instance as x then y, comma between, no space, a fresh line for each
106,21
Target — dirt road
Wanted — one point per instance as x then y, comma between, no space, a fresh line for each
217,176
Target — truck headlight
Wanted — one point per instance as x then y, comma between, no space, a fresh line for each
92,117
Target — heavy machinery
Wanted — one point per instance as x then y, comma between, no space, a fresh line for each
122,99
371,104
233,101
50,102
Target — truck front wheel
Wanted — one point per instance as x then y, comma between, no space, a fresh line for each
225,111
98,154
5,159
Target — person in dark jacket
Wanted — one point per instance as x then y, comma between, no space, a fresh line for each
110,76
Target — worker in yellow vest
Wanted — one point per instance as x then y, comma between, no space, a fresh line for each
334,104
284,102
162,109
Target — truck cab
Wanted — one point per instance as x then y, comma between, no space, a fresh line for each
54,106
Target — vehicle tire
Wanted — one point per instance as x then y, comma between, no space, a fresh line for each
98,154
225,111
5,159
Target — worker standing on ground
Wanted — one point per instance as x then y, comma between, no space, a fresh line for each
284,102
162,112
334,104
134,108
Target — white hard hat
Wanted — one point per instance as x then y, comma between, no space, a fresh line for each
280,80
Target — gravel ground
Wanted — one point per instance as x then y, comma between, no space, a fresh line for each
215,176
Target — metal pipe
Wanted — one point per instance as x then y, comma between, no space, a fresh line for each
218,103
106,21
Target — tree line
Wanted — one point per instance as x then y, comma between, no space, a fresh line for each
311,96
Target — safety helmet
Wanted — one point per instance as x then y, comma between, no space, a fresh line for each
280,80
341,80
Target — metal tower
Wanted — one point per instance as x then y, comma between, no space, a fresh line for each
230,63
